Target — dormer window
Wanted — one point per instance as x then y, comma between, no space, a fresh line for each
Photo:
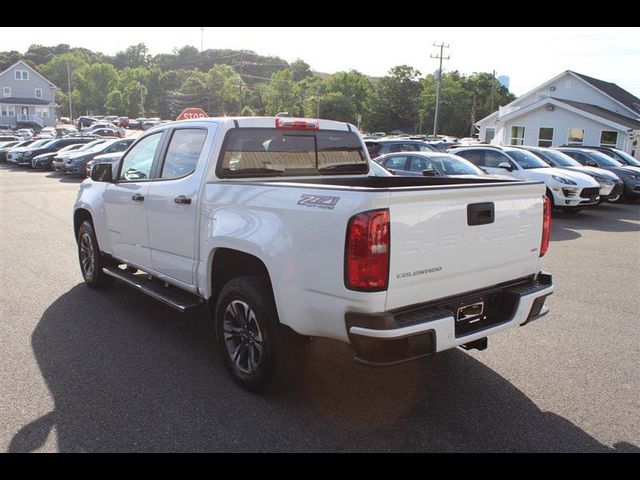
38,93
22,75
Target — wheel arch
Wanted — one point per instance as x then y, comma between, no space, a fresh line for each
227,264
79,216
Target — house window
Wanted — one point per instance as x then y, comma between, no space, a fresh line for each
22,75
8,111
608,139
42,112
38,93
576,136
489,134
6,91
545,137
517,136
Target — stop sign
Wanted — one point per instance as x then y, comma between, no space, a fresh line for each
192,113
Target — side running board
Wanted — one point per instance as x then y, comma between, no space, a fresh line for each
179,300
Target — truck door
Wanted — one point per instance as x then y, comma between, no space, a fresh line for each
172,204
125,203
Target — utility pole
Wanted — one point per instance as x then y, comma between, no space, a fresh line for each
318,101
201,39
442,46
492,89
70,100
141,100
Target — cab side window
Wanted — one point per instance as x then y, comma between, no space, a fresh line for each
137,164
183,153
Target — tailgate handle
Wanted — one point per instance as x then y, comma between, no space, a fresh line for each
480,213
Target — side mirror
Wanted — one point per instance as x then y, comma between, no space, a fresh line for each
429,172
591,163
507,166
102,172
392,171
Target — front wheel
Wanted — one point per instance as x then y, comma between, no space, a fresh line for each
256,349
614,199
91,259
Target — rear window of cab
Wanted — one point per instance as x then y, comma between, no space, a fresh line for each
255,152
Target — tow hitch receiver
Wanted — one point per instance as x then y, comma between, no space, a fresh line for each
480,344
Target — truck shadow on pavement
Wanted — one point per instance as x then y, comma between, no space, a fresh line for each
128,374
606,217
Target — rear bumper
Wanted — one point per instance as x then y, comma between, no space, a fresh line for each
396,337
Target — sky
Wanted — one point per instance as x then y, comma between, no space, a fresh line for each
528,55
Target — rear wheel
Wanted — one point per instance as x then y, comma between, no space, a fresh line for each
91,259
256,349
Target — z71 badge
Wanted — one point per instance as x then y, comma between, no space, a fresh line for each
318,201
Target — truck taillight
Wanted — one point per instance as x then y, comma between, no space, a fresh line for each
297,124
546,226
367,251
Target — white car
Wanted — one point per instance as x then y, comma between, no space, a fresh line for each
276,225
567,190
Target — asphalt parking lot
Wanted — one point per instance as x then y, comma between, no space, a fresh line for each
112,370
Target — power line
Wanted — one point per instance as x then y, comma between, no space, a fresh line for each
441,57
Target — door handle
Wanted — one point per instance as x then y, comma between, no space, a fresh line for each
182,199
138,198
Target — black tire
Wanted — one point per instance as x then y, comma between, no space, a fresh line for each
268,355
617,199
90,258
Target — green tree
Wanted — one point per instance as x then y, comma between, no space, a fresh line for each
115,103
282,95
55,70
94,82
225,87
300,69
133,57
394,102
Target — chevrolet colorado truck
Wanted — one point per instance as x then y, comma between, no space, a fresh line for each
276,226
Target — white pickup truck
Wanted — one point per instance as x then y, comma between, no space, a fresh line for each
275,224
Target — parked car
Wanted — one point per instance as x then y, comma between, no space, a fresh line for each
4,146
430,164
619,155
151,123
122,122
567,190
106,132
15,155
45,159
84,122
76,164
49,131
51,146
60,158
110,118
67,131
377,148
397,273
630,176
137,123
610,184
10,145
98,125
26,133
65,120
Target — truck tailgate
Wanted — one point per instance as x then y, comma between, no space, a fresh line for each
445,241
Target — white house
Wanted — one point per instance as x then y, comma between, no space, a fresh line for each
569,109
27,99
